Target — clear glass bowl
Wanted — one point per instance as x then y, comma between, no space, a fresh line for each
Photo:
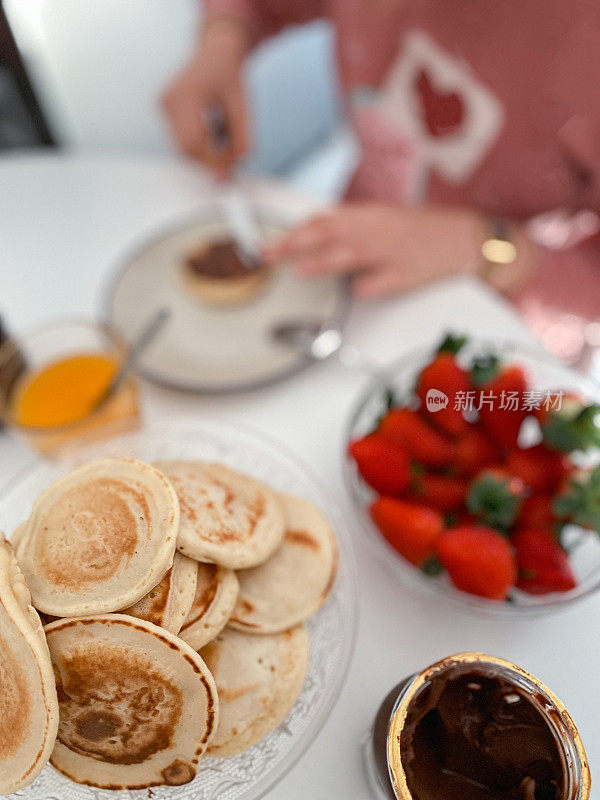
36,350
545,375
250,775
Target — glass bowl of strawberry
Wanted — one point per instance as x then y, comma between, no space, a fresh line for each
476,470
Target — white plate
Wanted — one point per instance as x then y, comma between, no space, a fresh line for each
249,775
205,348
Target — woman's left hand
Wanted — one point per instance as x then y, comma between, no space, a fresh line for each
388,248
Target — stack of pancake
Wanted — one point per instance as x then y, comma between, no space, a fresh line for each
173,597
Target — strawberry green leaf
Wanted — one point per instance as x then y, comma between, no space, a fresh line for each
432,566
389,401
416,472
389,398
452,344
580,502
491,500
567,432
530,574
484,369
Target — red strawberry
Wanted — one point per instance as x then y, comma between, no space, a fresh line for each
412,530
417,437
443,492
537,511
445,375
479,561
500,399
474,451
495,497
382,464
543,564
540,469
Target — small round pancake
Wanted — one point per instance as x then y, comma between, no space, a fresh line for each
259,678
16,541
28,703
226,518
294,582
100,538
216,593
137,705
17,537
170,602
224,291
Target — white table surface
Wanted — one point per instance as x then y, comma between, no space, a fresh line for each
64,221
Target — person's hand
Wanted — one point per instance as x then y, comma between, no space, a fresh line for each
211,79
387,248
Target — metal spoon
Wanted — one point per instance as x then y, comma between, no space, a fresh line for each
321,340
144,338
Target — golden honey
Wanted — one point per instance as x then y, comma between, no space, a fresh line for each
63,392
63,400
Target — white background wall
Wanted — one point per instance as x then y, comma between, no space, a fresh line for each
100,66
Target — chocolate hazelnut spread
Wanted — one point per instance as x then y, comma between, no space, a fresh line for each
219,261
472,735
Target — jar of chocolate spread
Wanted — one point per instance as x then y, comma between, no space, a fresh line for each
475,727
12,365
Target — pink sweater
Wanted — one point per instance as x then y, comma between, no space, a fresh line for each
475,102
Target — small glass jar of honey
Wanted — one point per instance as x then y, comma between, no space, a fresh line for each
60,392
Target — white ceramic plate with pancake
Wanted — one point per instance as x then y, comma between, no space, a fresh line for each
215,349
250,775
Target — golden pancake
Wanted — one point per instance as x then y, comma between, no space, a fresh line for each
226,518
138,706
28,703
167,605
18,537
296,580
216,593
100,538
259,679
170,602
226,291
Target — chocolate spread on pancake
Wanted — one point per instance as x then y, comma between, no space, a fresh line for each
219,261
477,736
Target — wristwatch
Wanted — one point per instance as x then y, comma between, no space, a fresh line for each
497,248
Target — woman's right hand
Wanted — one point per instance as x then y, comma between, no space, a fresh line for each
211,79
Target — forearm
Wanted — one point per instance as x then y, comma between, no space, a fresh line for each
240,15
229,37
262,18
